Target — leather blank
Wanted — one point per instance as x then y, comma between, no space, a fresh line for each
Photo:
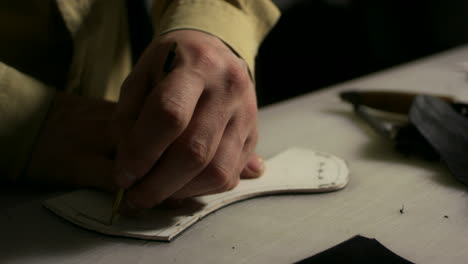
293,171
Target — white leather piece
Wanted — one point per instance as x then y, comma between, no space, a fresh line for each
293,171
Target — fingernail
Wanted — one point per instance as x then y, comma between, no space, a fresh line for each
124,178
257,165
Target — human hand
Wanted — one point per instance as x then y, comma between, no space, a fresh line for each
188,133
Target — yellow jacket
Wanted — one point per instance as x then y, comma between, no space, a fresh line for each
82,46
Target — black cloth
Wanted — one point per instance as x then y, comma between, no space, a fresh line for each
358,249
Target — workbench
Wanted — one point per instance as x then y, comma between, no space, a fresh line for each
432,228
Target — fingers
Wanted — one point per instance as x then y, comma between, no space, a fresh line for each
163,118
222,173
146,74
177,143
190,153
235,150
255,167
205,158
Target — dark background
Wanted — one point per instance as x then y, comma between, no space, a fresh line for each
318,43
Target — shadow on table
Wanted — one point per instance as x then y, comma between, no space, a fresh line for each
378,147
30,233
442,177
14,195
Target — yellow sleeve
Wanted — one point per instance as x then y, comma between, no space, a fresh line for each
241,24
24,102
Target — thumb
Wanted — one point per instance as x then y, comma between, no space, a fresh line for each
254,168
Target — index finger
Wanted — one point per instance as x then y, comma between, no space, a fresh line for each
164,116
136,87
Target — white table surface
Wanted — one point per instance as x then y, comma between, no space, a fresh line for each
288,228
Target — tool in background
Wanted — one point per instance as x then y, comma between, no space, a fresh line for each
394,102
437,126
405,137
445,130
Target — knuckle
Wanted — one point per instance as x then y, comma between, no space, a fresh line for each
251,142
233,184
249,115
251,109
254,138
205,56
220,177
249,145
198,153
238,139
173,114
238,77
